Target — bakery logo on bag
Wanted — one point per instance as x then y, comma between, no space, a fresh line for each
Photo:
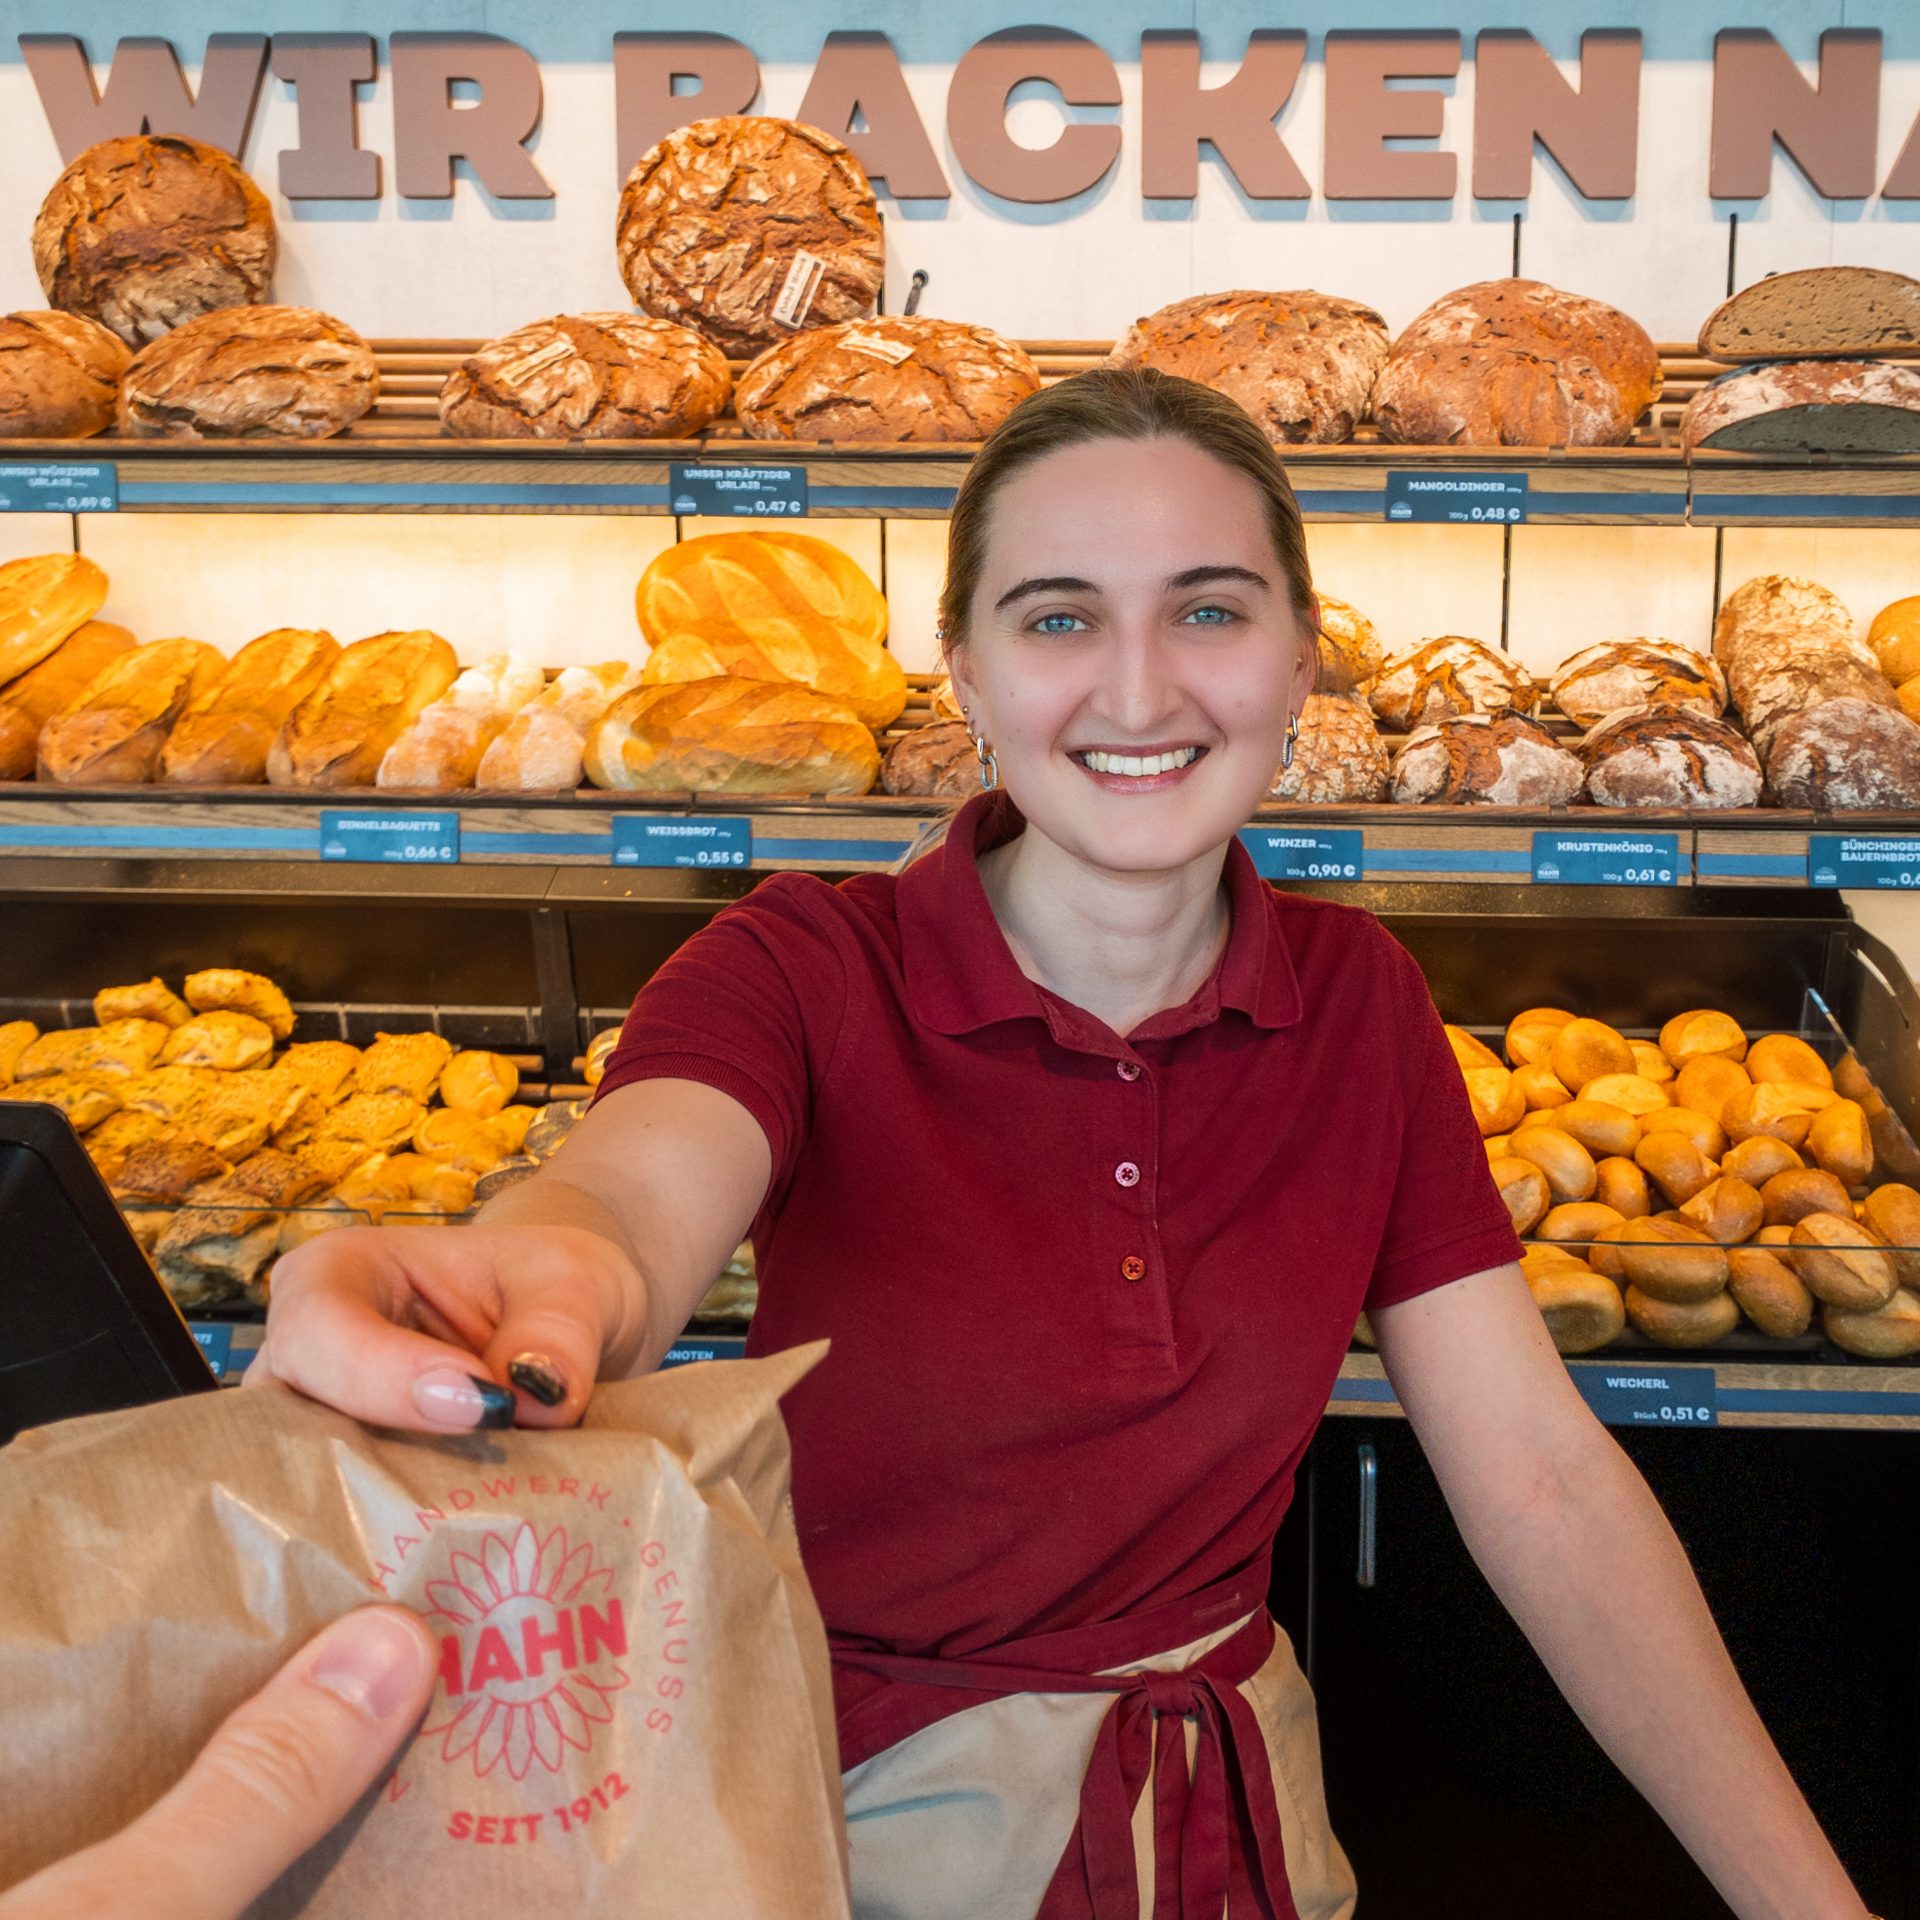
797,291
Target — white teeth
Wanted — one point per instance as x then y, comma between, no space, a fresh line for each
1141,766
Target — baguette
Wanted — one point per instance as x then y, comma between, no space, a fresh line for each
338,735
224,736
542,748
42,600
112,732
29,702
442,750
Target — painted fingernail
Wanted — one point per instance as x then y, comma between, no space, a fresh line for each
451,1399
534,1373
373,1663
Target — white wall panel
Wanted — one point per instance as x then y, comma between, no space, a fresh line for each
22,534
1413,582
1572,587
1865,566
916,566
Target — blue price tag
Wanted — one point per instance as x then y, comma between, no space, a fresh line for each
411,839
691,1347
59,486
679,841
1499,497
1655,1396
760,493
216,1343
1863,860
1305,853
1607,859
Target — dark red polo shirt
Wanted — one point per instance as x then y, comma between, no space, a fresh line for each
1087,1295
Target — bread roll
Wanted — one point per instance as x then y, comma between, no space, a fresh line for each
85,1098
1846,754
1893,1212
16,1036
1840,1142
1621,674
1303,364
1702,1034
1530,1035
1582,1310
771,606
1577,1220
1601,1129
251,373
1674,1165
1498,1105
936,761
1651,1064
59,376
408,1065
29,702
442,750
43,599
1894,637
1621,1184
1807,406
1790,1195
717,221
1815,312
338,735
225,734
1782,1108
727,735
1486,759
1468,1051
1540,1087
1440,679
1673,1323
1517,363
1627,1093
1758,1159
145,232
1667,757
1567,1165
542,748
1523,1190
1583,1050
150,1000
511,1125
1726,1210
112,732
588,376
1707,1082
1891,1332
1769,1292
1705,1134
214,989
1350,649
479,1083
1783,1056
1339,755
887,377
222,1038
119,1051
1839,1260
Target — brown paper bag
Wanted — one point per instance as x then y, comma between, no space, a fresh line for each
634,1712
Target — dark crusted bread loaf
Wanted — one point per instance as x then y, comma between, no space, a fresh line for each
250,373
1338,756
1443,677
1303,364
1636,673
1773,681
588,376
1517,363
1846,754
714,221
1669,756
59,376
1838,311
147,231
1486,759
1808,406
885,378
936,760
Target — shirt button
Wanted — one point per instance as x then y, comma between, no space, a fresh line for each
1133,1268
1127,1174
1128,1069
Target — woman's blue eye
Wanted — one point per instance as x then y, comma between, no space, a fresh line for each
1212,616
1045,624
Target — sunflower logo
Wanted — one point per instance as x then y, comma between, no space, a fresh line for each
529,1668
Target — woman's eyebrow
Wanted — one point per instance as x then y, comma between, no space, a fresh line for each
1176,583
1044,583
1213,576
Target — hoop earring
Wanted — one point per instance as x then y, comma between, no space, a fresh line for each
989,765
1292,739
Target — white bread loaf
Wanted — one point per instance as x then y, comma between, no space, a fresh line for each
112,732
225,735
542,748
338,735
441,751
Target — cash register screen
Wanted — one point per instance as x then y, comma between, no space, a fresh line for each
85,1325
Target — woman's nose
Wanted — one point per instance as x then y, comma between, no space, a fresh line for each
1139,686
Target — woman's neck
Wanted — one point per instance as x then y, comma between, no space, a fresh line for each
1122,946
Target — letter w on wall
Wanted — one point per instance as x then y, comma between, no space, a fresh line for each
146,92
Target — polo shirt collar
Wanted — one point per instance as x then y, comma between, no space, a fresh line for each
962,976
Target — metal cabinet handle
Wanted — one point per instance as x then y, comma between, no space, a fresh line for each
1363,1571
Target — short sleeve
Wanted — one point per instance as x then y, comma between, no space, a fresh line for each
751,1006
1446,1219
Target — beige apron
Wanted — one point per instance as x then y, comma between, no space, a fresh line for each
967,1819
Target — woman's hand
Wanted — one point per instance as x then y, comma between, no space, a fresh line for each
281,1771
424,1327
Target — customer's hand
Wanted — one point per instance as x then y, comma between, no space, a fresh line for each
280,1772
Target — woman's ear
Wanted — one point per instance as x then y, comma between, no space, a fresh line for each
959,672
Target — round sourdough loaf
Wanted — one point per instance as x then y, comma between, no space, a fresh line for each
1488,760
1448,676
147,231
59,376
1846,754
1663,756
1773,681
587,376
1636,673
1338,756
715,219
1303,364
1808,406
1517,363
1350,649
250,373
936,760
1783,606
885,378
